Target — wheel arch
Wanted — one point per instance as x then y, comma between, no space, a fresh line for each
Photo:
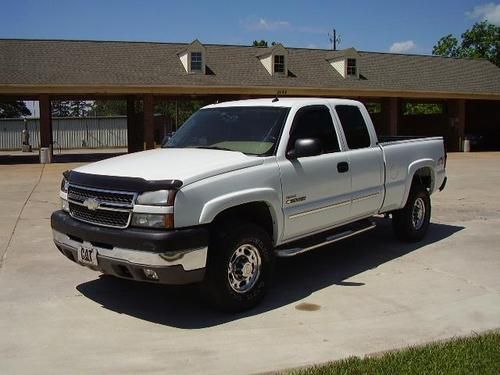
260,206
421,172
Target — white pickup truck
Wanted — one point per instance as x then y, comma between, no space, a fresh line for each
239,184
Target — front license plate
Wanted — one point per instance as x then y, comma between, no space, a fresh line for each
87,255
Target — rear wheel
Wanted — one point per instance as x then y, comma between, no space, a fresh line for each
412,221
239,269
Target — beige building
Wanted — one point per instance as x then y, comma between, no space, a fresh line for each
464,94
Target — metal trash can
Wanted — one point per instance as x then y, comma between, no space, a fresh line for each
466,145
45,155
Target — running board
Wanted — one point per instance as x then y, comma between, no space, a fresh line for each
323,239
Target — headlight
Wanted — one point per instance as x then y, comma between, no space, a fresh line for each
153,220
157,198
64,185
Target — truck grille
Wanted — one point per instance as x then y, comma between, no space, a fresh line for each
101,207
106,197
116,219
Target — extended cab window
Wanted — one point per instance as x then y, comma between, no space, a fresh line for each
314,122
354,126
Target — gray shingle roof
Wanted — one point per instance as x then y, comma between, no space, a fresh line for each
94,63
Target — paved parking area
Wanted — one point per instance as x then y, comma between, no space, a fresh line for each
364,295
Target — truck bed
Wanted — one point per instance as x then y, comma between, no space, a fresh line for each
402,157
390,139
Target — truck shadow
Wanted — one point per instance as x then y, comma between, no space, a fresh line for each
295,279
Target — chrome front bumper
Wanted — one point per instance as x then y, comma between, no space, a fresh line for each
173,267
189,260
171,256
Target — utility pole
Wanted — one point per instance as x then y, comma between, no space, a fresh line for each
334,39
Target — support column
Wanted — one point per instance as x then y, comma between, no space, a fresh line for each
45,122
390,115
393,116
456,111
131,125
461,123
149,126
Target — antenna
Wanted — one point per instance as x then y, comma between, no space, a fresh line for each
276,99
334,39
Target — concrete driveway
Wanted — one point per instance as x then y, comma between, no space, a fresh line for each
366,294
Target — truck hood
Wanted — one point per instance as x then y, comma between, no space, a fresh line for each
188,164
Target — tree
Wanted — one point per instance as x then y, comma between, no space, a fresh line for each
60,108
481,41
71,108
422,109
180,110
110,107
259,43
447,46
80,108
262,43
14,110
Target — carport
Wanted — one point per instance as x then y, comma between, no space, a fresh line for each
144,74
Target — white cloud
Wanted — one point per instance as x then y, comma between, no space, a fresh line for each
403,47
486,12
262,24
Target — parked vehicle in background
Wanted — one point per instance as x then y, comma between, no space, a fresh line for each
239,184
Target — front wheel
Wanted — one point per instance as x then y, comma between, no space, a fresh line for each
412,221
239,269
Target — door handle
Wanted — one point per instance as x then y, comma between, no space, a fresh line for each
343,167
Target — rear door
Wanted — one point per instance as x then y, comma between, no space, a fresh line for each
316,189
366,161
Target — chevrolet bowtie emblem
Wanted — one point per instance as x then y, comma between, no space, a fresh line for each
91,203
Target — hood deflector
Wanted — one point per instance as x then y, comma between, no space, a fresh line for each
133,184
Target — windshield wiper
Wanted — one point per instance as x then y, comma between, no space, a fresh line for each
214,148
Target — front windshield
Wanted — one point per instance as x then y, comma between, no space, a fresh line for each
251,130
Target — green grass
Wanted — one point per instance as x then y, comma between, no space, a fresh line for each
479,354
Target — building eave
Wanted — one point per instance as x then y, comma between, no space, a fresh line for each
22,90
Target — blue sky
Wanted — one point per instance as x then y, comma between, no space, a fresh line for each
398,26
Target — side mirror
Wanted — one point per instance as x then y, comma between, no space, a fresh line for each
167,137
305,147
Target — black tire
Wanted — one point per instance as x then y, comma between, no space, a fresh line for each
406,222
221,286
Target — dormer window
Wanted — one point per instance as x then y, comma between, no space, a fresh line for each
196,62
274,59
346,63
279,64
193,57
351,67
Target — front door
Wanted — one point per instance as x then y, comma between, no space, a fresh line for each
316,189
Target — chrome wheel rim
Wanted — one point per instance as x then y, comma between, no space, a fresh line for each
418,214
244,268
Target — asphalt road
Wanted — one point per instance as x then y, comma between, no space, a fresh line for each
367,294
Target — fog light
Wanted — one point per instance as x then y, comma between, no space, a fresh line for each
150,274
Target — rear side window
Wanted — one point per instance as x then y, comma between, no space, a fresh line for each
354,126
314,122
